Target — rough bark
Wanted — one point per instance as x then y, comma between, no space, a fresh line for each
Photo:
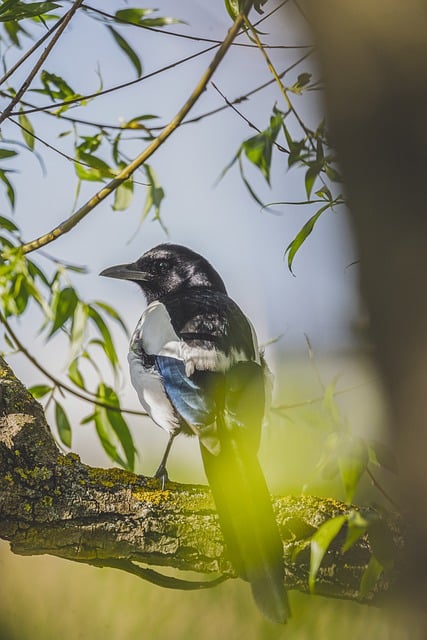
53,503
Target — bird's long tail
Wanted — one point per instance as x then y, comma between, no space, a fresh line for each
247,520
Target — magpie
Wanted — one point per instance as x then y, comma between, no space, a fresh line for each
197,369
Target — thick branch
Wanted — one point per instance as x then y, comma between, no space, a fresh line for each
55,504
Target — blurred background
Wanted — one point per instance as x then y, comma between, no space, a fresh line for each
312,323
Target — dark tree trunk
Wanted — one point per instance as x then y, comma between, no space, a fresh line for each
374,57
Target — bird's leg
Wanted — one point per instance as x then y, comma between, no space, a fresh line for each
161,472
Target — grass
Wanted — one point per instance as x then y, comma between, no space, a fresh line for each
45,598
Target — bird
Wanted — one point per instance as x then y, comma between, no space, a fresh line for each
196,366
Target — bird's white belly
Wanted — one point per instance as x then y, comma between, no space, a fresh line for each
151,394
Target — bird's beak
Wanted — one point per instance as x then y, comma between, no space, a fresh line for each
125,272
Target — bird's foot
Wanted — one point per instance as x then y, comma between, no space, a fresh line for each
162,475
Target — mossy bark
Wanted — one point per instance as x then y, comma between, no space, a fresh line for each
53,503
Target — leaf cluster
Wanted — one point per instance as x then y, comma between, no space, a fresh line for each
85,328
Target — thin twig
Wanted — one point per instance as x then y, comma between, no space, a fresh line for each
118,87
27,82
382,490
30,51
33,109
73,220
280,408
58,383
62,154
186,36
241,115
278,79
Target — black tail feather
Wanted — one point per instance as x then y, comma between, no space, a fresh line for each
248,523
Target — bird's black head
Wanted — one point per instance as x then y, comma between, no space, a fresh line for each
166,269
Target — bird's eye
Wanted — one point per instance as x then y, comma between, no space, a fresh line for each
162,266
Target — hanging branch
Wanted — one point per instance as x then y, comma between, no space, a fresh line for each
123,175
65,22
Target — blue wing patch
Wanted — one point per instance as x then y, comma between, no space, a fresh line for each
193,402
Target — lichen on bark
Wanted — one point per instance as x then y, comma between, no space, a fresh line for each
52,503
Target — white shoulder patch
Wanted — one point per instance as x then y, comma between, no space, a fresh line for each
156,333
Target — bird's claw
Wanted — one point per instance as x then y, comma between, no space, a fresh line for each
162,475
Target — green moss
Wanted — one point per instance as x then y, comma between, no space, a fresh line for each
114,476
36,473
154,497
69,460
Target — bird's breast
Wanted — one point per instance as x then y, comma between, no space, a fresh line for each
147,383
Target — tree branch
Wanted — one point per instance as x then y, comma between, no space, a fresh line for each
123,175
64,23
54,504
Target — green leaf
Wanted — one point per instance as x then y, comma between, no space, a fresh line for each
106,436
258,149
40,390
333,174
7,224
320,543
248,185
357,527
63,425
302,235
118,424
112,429
310,178
324,193
137,122
63,306
108,344
7,153
128,50
137,16
352,461
27,130
89,144
56,87
302,81
96,169
78,328
329,402
155,194
113,314
382,455
123,195
370,576
16,10
19,293
75,375
9,189
233,8
13,30
121,430
133,15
